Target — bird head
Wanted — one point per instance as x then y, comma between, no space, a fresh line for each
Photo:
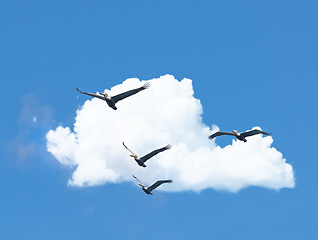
235,132
104,94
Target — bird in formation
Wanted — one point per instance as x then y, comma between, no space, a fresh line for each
141,161
153,186
240,136
111,101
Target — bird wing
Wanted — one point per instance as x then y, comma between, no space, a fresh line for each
220,133
253,132
153,153
129,93
129,150
138,180
91,94
158,183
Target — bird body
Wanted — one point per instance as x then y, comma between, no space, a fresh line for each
141,161
148,190
240,136
111,101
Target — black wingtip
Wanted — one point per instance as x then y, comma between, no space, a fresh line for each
266,133
146,85
168,146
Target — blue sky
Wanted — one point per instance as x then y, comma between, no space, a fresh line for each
252,64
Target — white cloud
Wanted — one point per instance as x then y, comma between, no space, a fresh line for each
165,113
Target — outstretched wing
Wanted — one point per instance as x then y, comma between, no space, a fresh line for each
91,94
130,150
253,132
220,133
138,180
129,93
155,152
158,183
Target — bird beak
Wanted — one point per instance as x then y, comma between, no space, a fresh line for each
103,94
132,156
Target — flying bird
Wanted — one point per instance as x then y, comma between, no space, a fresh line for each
239,136
153,186
141,161
111,101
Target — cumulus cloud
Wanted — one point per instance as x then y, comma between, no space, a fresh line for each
166,113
